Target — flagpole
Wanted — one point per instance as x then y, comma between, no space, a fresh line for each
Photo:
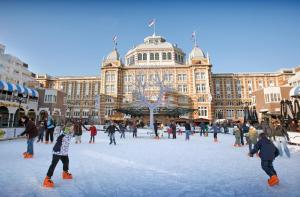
154,28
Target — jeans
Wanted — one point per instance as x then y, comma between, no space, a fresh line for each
78,138
267,166
112,138
122,134
187,135
55,159
92,139
242,138
30,146
281,145
215,135
41,136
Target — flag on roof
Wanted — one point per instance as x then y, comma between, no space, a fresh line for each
151,23
115,38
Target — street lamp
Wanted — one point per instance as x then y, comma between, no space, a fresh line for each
19,100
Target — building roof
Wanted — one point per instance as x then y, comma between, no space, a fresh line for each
112,56
196,53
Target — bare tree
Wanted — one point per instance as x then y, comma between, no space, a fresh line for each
149,91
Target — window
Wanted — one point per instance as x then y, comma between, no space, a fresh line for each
69,89
203,87
169,55
87,88
182,88
168,77
78,88
182,77
197,76
151,56
110,77
201,99
203,111
260,84
240,113
203,75
198,88
139,56
144,56
164,56
140,78
156,56
271,83
176,57
183,99
127,78
96,88
108,111
127,88
230,113
109,99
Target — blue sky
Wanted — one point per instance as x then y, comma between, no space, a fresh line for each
72,37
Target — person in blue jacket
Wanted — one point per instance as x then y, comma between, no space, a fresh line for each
267,153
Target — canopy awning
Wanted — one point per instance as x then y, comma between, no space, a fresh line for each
10,87
295,91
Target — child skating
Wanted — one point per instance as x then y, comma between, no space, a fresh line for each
93,131
267,153
60,152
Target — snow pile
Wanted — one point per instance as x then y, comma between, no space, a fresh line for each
147,167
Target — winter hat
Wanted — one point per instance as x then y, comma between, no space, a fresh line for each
67,130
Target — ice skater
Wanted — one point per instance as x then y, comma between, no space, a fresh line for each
60,152
31,132
280,137
215,129
187,126
267,153
111,129
237,134
42,128
93,131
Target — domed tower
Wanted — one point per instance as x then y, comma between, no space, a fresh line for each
202,83
111,83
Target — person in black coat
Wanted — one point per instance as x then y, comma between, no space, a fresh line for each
111,129
155,125
267,153
173,127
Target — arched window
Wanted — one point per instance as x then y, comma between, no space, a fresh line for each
139,56
144,56
164,56
156,56
169,56
151,56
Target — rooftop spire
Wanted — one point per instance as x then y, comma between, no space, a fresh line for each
115,42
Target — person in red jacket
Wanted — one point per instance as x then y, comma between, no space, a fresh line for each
93,131
31,132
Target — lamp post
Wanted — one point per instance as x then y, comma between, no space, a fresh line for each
19,100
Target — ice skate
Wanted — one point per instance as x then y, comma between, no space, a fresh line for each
273,180
28,156
48,182
67,175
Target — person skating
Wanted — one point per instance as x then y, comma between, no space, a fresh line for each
78,131
134,130
173,127
280,137
215,129
244,131
252,138
31,132
41,129
237,134
187,127
202,128
267,153
60,152
111,129
155,126
49,130
122,128
93,131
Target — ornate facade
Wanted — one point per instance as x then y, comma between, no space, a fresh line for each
194,85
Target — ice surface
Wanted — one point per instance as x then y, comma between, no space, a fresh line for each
147,167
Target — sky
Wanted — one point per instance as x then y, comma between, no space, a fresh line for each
71,37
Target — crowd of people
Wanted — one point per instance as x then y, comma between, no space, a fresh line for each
270,142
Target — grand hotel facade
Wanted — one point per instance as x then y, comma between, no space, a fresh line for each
195,86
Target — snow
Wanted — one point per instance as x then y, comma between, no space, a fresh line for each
147,167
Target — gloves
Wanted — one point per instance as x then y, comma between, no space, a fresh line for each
250,155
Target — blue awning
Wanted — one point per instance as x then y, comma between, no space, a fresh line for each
10,87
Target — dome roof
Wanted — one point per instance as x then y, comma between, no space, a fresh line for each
152,43
196,53
112,56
